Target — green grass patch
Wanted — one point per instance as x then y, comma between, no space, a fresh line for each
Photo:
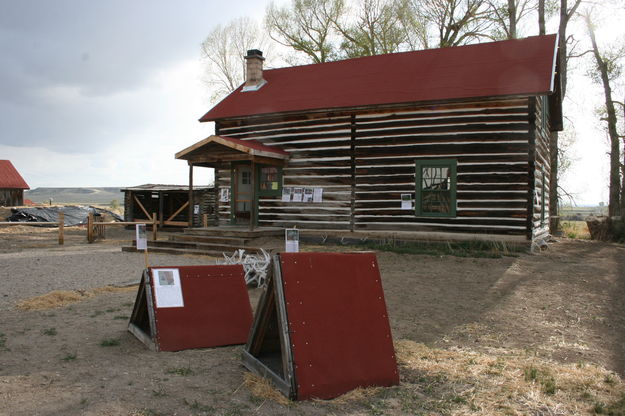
542,377
69,357
180,371
3,342
479,249
110,342
195,405
121,317
49,331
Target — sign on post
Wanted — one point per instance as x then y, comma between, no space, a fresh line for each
291,240
140,237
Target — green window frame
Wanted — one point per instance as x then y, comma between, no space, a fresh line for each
269,181
435,187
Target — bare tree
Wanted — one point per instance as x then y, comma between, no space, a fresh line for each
377,28
607,70
508,14
224,48
455,22
566,14
306,26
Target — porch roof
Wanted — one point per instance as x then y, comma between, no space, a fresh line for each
219,149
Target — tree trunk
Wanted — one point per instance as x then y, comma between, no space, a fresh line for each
614,207
565,16
541,17
512,18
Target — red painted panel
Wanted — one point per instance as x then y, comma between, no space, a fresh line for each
216,310
340,334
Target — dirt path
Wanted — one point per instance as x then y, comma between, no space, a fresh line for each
565,304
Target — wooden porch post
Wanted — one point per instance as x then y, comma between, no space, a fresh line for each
253,200
190,195
217,193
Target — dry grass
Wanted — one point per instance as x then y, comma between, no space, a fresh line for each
575,229
262,388
359,394
58,298
512,382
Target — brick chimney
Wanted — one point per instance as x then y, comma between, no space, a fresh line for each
254,70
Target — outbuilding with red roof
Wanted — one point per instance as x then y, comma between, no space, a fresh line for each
446,143
12,185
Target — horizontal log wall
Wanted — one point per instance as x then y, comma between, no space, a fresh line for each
320,157
377,151
542,170
489,140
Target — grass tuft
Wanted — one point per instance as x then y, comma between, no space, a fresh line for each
479,249
179,371
110,342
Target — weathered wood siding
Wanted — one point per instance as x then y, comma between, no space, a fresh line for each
11,197
542,170
320,156
365,160
489,140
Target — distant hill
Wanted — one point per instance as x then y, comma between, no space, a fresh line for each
99,196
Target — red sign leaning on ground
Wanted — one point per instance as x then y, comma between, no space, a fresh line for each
321,328
338,323
211,309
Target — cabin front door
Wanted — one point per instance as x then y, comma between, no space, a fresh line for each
242,194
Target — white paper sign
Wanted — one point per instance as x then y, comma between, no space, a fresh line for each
308,195
167,288
297,194
140,237
196,209
291,240
406,201
318,195
224,195
286,194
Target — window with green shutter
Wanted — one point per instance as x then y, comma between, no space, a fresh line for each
435,194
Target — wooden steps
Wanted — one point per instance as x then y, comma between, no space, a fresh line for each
202,242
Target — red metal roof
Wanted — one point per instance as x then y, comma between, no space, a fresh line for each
506,68
10,177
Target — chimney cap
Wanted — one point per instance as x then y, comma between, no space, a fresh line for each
254,53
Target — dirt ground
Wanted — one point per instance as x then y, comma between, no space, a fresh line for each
562,309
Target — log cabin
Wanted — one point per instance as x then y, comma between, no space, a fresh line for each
12,185
448,143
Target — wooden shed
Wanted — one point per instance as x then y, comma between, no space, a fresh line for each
170,203
12,185
444,143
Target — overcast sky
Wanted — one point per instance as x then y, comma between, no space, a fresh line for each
105,93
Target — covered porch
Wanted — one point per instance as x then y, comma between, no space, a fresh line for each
255,171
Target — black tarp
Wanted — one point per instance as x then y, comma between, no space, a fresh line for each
74,215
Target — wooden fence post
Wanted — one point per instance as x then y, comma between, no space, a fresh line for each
90,227
61,228
154,223
205,220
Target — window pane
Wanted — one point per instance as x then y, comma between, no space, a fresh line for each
436,202
269,179
435,189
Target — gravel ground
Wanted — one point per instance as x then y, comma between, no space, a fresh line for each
32,273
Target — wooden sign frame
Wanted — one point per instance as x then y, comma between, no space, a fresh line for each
317,337
214,309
